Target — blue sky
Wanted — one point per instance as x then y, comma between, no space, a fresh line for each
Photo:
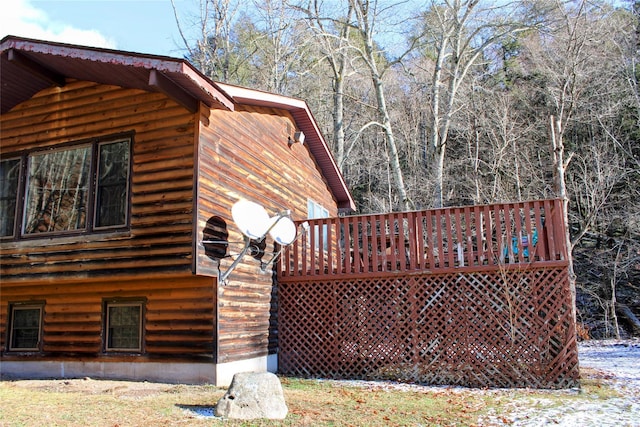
145,26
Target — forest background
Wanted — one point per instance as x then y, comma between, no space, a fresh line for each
458,102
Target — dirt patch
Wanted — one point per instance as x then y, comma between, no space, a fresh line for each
91,386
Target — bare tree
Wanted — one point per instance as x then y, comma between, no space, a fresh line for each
367,15
457,34
212,51
332,34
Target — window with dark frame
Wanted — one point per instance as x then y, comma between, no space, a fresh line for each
123,326
9,181
84,187
56,190
112,184
26,327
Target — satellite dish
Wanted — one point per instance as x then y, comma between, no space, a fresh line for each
283,231
251,218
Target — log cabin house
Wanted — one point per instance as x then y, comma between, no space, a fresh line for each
118,175
115,168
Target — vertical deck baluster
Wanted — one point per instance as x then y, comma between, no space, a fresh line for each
356,265
420,241
458,217
499,233
449,239
550,225
518,218
471,235
542,250
439,243
529,220
488,239
411,245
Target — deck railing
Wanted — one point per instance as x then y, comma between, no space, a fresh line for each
467,238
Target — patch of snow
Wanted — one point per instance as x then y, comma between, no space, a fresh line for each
612,363
620,358
204,412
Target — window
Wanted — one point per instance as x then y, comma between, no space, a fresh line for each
317,211
113,180
26,327
80,188
9,180
123,326
57,189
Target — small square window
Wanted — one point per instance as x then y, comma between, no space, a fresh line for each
124,326
26,327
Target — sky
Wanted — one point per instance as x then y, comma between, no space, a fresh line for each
143,26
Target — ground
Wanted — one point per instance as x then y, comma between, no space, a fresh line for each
609,396
614,363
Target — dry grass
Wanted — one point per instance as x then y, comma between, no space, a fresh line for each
87,402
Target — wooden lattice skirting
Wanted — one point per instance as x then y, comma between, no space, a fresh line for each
506,328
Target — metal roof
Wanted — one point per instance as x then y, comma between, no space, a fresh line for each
28,66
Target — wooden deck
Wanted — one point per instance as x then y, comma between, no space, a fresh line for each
461,239
474,296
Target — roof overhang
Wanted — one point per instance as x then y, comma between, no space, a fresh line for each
313,137
29,66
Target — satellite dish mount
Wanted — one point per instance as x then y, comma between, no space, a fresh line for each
255,224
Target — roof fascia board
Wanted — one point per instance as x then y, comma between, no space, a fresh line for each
212,88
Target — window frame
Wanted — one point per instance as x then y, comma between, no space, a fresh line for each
107,304
25,189
13,307
96,185
17,213
91,208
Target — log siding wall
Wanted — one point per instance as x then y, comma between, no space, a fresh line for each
246,155
178,316
161,204
186,169
152,261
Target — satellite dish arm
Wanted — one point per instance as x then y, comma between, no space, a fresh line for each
247,244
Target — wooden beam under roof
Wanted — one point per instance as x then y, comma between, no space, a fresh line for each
35,68
172,90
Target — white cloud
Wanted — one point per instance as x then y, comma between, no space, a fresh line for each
23,19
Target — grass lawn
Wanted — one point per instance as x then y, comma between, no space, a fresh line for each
88,402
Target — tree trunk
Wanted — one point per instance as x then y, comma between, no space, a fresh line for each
559,167
338,120
370,57
626,313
